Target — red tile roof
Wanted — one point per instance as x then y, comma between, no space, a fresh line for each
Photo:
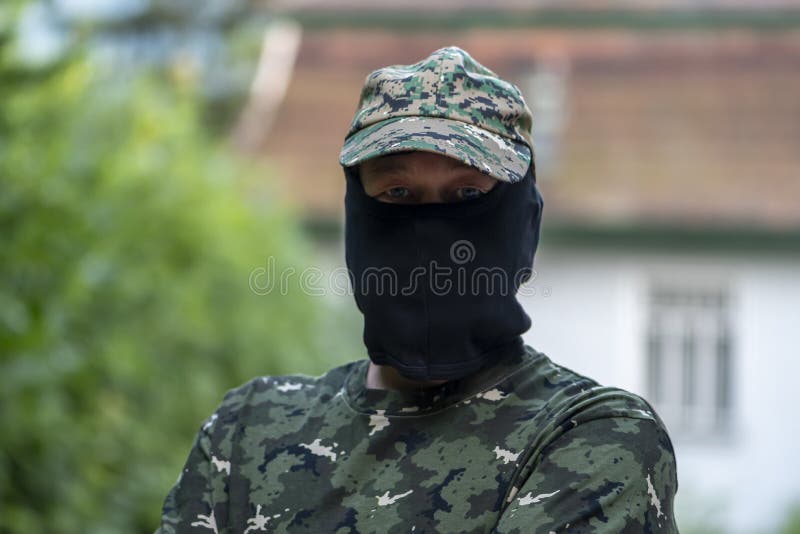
696,128
522,5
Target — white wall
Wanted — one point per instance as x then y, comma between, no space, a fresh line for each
589,311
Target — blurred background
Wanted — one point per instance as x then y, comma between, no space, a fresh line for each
156,156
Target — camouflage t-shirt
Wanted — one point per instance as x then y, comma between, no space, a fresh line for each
523,446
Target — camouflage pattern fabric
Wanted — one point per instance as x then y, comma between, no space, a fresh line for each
523,446
446,103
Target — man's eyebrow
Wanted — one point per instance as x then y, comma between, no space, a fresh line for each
388,165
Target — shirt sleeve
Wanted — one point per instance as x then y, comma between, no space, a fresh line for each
194,502
609,475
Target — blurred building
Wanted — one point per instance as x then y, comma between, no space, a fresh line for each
668,156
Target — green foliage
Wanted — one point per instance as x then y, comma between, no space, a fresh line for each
127,239
791,525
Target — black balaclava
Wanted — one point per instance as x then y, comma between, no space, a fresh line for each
437,282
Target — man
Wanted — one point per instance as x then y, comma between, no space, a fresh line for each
452,424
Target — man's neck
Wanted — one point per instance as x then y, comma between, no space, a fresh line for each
387,377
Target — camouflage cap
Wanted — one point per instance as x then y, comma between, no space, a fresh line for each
447,103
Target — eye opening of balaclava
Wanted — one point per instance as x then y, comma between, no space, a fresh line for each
437,282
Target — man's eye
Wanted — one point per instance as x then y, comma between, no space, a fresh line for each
466,193
398,192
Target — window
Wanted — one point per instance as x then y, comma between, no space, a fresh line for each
689,360
545,89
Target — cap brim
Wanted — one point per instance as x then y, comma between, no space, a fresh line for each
492,154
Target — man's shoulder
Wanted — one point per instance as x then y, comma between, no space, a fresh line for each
602,450
568,398
268,391
574,414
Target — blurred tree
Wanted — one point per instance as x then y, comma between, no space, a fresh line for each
219,42
791,523
127,239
